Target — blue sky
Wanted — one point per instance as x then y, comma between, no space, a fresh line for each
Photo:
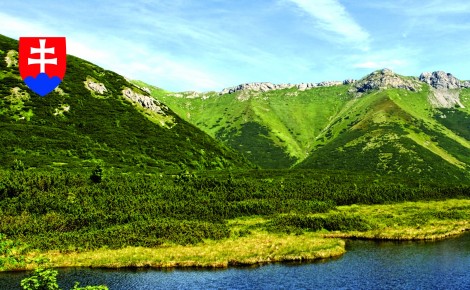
184,45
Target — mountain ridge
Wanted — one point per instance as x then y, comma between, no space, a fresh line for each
437,79
279,127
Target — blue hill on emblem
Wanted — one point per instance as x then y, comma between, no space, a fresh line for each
42,84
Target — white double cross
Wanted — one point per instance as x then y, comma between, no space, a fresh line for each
42,61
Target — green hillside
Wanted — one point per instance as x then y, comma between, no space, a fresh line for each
384,124
89,120
274,129
393,136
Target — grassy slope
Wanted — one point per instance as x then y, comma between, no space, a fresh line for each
393,131
387,132
74,127
283,124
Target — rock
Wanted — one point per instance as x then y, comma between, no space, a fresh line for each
145,101
349,82
191,95
12,58
302,87
329,84
383,79
145,89
440,80
96,87
445,89
266,86
445,98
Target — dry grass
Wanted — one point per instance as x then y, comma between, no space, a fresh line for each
250,244
411,220
257,248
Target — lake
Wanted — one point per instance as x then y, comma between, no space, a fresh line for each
441,264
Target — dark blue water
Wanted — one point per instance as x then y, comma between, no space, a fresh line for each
367,265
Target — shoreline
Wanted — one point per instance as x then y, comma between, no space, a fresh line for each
370,237
325,254
322,255
252,244
257,249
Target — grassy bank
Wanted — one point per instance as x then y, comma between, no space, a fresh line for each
257,248
257,240
214,219
411,220
427,220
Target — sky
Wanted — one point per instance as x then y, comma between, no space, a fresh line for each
192,45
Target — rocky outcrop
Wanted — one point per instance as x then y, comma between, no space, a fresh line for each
12,58
95,87
266,86
257,87
384,79
443,80
445,89
145,101
377,80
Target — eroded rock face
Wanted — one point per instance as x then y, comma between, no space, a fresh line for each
96,87
443,80
145,101
384,79
445,98
445,89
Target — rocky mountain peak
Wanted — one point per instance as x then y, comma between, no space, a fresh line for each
443,80
445,89
383,79
378,80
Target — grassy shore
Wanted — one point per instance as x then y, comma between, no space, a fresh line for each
411,220
257,248
254,241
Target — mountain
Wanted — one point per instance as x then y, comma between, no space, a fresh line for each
96,117
384,123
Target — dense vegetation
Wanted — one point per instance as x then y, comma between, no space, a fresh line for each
272,129
389,131
81,170
74,127
68,211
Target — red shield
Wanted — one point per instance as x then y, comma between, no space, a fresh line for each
42,54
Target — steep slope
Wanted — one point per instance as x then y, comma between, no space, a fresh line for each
96,116
384,123
273,129
396,131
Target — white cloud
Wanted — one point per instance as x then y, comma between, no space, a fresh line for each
173,75
331,16
121,55
391,64
15,27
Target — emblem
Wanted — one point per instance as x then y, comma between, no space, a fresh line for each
42,62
